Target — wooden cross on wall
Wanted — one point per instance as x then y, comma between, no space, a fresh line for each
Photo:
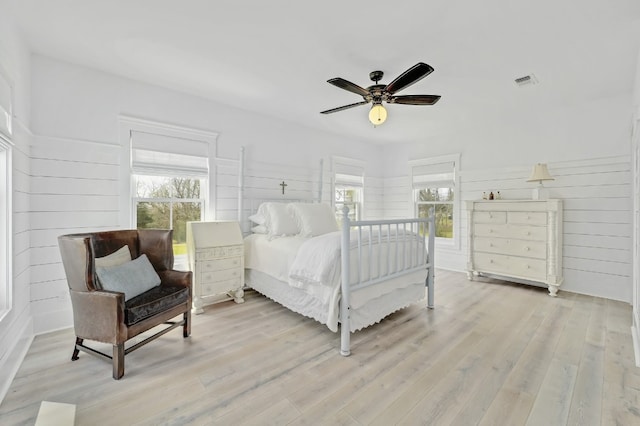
283,186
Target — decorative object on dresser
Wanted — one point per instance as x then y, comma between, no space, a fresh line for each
216,257
538,174
520,239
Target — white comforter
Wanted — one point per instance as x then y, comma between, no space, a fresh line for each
313,265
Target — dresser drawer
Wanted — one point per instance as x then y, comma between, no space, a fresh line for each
225,274
528,268
523,232
489,217
220,264
508,246
209,289
218,252
527,218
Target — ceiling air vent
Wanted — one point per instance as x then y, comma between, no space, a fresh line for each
526,80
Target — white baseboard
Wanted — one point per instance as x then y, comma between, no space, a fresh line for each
636,343
52,321
16,353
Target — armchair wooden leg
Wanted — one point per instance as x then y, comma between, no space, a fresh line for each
76,351
186,328
118,361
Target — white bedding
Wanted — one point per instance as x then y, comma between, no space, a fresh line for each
312,266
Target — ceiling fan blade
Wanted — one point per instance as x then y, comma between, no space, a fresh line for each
410,76
329,111
415,99
347,85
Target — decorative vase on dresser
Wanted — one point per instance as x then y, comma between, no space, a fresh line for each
518,239
216,257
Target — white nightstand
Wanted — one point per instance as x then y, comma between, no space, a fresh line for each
216,257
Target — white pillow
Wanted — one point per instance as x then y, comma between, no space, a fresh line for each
131,278
258,219
260,229
279,220
314,219
118,257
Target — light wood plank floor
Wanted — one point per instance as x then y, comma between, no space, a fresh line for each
490,353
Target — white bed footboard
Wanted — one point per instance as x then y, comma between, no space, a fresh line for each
384,250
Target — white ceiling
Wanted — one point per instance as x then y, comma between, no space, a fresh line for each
275,56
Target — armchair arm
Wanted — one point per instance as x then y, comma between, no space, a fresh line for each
99,315
171,276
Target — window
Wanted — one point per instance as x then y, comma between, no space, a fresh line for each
6,191
169,203
5,226
170,179
349,197
434,185
348,186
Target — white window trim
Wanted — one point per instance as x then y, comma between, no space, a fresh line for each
127,125
6,254
453,243
337,163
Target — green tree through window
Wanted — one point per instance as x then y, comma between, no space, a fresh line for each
168,203
441,200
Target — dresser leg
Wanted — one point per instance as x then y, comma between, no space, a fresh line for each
553,290
238,295
470,275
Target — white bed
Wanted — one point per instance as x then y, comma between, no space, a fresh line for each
388,266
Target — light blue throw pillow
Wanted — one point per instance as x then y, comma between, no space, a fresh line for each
131,278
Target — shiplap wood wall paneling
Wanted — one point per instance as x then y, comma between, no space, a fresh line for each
373,198
597,250
262,182
397,193
74,188
18,320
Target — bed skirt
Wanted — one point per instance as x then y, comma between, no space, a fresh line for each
365,311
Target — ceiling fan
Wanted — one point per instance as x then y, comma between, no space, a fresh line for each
379,93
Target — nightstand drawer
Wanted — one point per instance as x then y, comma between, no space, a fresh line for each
220,264
508,246
225,274
218,252
209,289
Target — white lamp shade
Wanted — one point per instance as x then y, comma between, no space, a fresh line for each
377,115
540,173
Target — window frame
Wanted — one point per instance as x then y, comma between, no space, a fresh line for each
354,172
6,255
454,242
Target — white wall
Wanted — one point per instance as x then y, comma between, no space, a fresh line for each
16,326
79,177
587,150
635,330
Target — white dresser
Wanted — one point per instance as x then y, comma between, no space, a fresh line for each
216,257
519,239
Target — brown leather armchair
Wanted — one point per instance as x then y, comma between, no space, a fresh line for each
104,316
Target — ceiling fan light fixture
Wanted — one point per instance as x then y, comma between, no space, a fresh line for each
377,114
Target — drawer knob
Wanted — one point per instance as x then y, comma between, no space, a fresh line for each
490,230
490,260
490,244
528,233
528,267
527,248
